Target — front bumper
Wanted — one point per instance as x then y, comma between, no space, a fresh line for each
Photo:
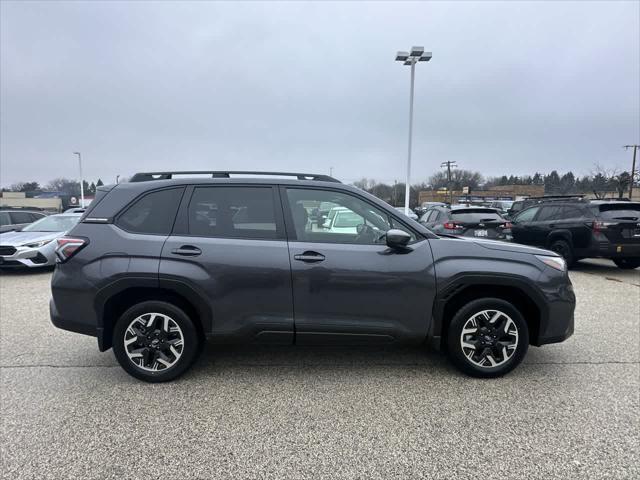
559,322
30,257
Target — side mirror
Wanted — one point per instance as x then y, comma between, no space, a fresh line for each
397,238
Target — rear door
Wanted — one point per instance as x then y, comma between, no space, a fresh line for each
348,286
229,245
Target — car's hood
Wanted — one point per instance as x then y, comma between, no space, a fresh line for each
20,238
509,247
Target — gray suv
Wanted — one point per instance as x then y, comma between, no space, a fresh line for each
160,264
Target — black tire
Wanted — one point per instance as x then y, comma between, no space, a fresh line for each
456,352
565,250
190,345
627,263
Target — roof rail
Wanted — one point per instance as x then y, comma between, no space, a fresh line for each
148,176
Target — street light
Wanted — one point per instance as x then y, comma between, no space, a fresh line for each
417,54
81,181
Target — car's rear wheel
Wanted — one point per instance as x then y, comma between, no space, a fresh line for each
155,341
564,249
627,263
487,338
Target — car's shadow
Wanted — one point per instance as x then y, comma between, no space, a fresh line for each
222,357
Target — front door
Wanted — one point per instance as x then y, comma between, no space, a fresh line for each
229,244
348,286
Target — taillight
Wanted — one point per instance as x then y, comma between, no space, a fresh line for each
507,225
452,226
599,226
69,246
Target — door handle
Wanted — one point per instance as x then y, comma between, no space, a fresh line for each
552,225
309,257
187,251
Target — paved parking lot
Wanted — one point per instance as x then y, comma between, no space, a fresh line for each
570,411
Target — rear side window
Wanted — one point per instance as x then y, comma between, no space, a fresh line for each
21,217
154,213
571,212
37,216
233,212
4,219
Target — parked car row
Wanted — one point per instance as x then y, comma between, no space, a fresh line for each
573,227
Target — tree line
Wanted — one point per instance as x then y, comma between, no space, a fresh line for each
62,185
599,183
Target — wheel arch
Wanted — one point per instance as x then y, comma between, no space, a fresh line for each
113,301
560,235
519,292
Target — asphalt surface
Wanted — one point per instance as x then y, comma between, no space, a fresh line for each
570,411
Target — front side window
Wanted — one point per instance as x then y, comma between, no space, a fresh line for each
351,220
549,213
233,212
527,215
153,214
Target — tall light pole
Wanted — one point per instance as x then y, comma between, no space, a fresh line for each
633,167
417,54
81,180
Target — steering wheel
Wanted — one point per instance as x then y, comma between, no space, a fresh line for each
365,234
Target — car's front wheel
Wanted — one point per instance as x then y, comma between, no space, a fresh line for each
155,341
627,263
487,338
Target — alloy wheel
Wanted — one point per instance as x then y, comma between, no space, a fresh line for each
154,342
489,338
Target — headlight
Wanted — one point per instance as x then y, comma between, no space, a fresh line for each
37,244
554,262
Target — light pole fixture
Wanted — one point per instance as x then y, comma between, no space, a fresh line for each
417,54
81,180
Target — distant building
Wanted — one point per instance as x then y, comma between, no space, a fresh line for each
20,199
499,192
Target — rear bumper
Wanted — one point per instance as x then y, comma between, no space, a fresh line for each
618,250
66,323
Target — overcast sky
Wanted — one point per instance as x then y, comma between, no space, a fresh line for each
512,87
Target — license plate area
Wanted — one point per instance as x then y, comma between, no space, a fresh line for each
480,233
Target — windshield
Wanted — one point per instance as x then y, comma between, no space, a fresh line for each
54,223
347,219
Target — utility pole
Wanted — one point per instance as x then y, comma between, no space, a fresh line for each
331,171
633,168
449,164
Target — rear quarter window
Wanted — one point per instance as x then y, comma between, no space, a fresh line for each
153,213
